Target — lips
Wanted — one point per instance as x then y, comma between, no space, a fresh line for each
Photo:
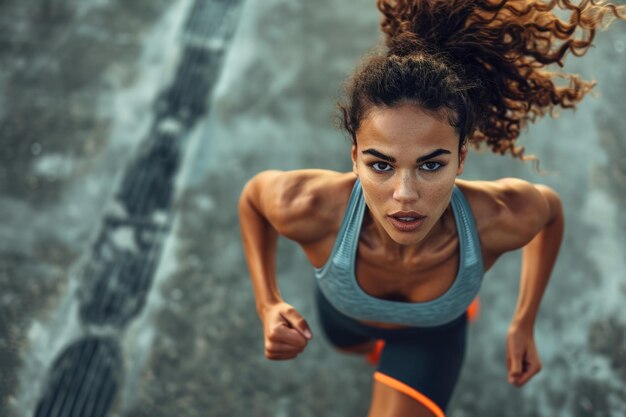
406,221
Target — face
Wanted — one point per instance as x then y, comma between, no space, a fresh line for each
407,161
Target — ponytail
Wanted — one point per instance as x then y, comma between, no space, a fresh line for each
479,63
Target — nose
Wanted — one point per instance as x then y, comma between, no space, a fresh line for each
406,188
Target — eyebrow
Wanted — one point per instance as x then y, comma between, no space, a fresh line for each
418,160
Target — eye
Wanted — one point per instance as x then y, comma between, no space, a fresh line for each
380,166
431,166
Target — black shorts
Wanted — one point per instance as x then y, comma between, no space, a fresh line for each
422,362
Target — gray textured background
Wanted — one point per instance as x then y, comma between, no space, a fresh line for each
77,80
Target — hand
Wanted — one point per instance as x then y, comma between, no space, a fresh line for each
522,359
286,332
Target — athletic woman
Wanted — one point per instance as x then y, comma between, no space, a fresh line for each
400,244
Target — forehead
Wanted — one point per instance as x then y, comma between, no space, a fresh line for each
406,125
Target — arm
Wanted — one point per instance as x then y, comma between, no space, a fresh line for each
259,239
276,203
538,259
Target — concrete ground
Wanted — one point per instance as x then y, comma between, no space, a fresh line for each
78,86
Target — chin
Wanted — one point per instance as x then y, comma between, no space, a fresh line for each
406,239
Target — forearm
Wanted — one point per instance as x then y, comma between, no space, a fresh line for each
259,243
538,259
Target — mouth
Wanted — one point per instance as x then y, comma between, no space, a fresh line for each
406,221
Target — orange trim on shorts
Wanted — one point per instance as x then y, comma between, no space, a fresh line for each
473,311
411,392
374,356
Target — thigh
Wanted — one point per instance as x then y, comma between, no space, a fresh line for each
340,330
390,402
425,367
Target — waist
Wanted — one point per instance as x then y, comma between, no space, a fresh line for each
383,330
344,293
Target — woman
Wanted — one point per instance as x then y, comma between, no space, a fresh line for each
400,244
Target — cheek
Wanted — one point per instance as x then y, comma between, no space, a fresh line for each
438,196
376,196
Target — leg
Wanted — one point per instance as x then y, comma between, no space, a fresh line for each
361,348
341,331
390,402
417,374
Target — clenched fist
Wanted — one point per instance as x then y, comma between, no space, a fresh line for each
286,332
522,358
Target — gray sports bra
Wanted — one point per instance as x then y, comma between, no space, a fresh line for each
338,283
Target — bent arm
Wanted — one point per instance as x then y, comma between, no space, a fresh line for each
277,203
538,259
259,243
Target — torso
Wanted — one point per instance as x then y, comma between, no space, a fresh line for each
388,276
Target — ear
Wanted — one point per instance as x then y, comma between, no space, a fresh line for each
462,155
354,154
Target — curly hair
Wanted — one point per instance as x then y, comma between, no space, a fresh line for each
478,63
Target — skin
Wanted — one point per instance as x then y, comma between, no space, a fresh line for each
307,206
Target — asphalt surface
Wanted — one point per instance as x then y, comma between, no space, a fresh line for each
79,94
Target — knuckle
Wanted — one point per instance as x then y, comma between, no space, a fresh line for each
273,348
279,328
273,337
272,356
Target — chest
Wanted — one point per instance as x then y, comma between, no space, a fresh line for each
396,277
411,279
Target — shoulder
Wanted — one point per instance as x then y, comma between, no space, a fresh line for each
302,205
509,212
